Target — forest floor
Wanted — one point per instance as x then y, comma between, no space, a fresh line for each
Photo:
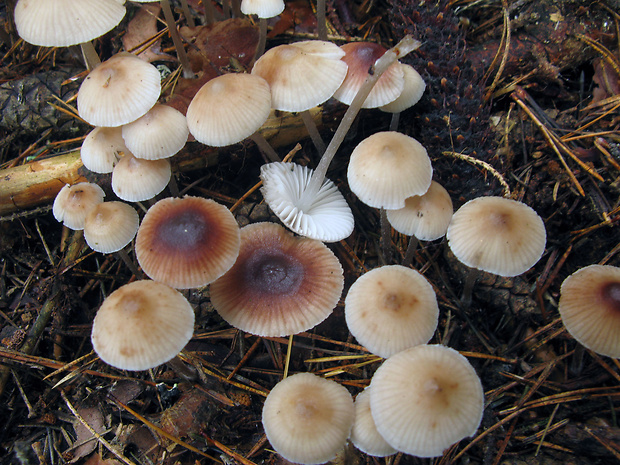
522,100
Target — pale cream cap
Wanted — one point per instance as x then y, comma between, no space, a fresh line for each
135,179
73,203
110,226
364,434
101,149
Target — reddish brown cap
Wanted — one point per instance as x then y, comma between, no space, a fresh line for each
187,242
280,284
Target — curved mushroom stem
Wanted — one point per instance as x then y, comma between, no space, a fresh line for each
176,39
262,38
320,19
411,248
470,280
406,45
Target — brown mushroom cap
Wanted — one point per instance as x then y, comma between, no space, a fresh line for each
387,168
142,325
497,235
280,284
391,308
229,108
359,57
303,74
590,308
426,398
118,91
60,23
73,203
187,242
110,226
307,419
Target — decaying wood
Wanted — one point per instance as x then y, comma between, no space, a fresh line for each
38,182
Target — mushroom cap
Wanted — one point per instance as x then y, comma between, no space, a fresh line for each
110,226
229,108
364,434
280,284
413,90
118,91
187,242
100,149
262,8
136,179
497,235
590,308
425,216
328,218
425,399
387,168
60,23
301,75
390,309
72,203
160,133
307,419
359,57
142,325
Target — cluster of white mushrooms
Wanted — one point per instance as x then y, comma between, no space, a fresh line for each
268,282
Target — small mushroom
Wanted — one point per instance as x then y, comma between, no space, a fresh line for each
73,203
364,434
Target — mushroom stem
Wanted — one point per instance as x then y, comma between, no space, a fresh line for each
209,16
130,264
317,140
262,38
320,19
188,15
90,55
386,240
176,39
411,248
394,121
406,45
265,146
470,280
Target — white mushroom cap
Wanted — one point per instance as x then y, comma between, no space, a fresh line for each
142,325
390,309
412,91
328,218
425,216
590,308
60,23
303,74
364,434
160,133
425,399
262,8
73,203
229,108
100,149
118,91
307,419
110,226
135,179
387,168
497,235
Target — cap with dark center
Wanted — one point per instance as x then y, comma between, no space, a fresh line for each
280,284
187,242
590,308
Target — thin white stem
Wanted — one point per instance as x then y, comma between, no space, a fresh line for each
394,121
406,45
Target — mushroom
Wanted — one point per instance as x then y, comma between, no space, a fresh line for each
187,242
61,23
73,203
102,148
496,235
142,325
135,179
413,89
390,309
425,399
364,434
120,90
263,9
280,284
424,217
307,419
590,308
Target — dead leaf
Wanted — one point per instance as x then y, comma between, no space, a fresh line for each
94,418
141,29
